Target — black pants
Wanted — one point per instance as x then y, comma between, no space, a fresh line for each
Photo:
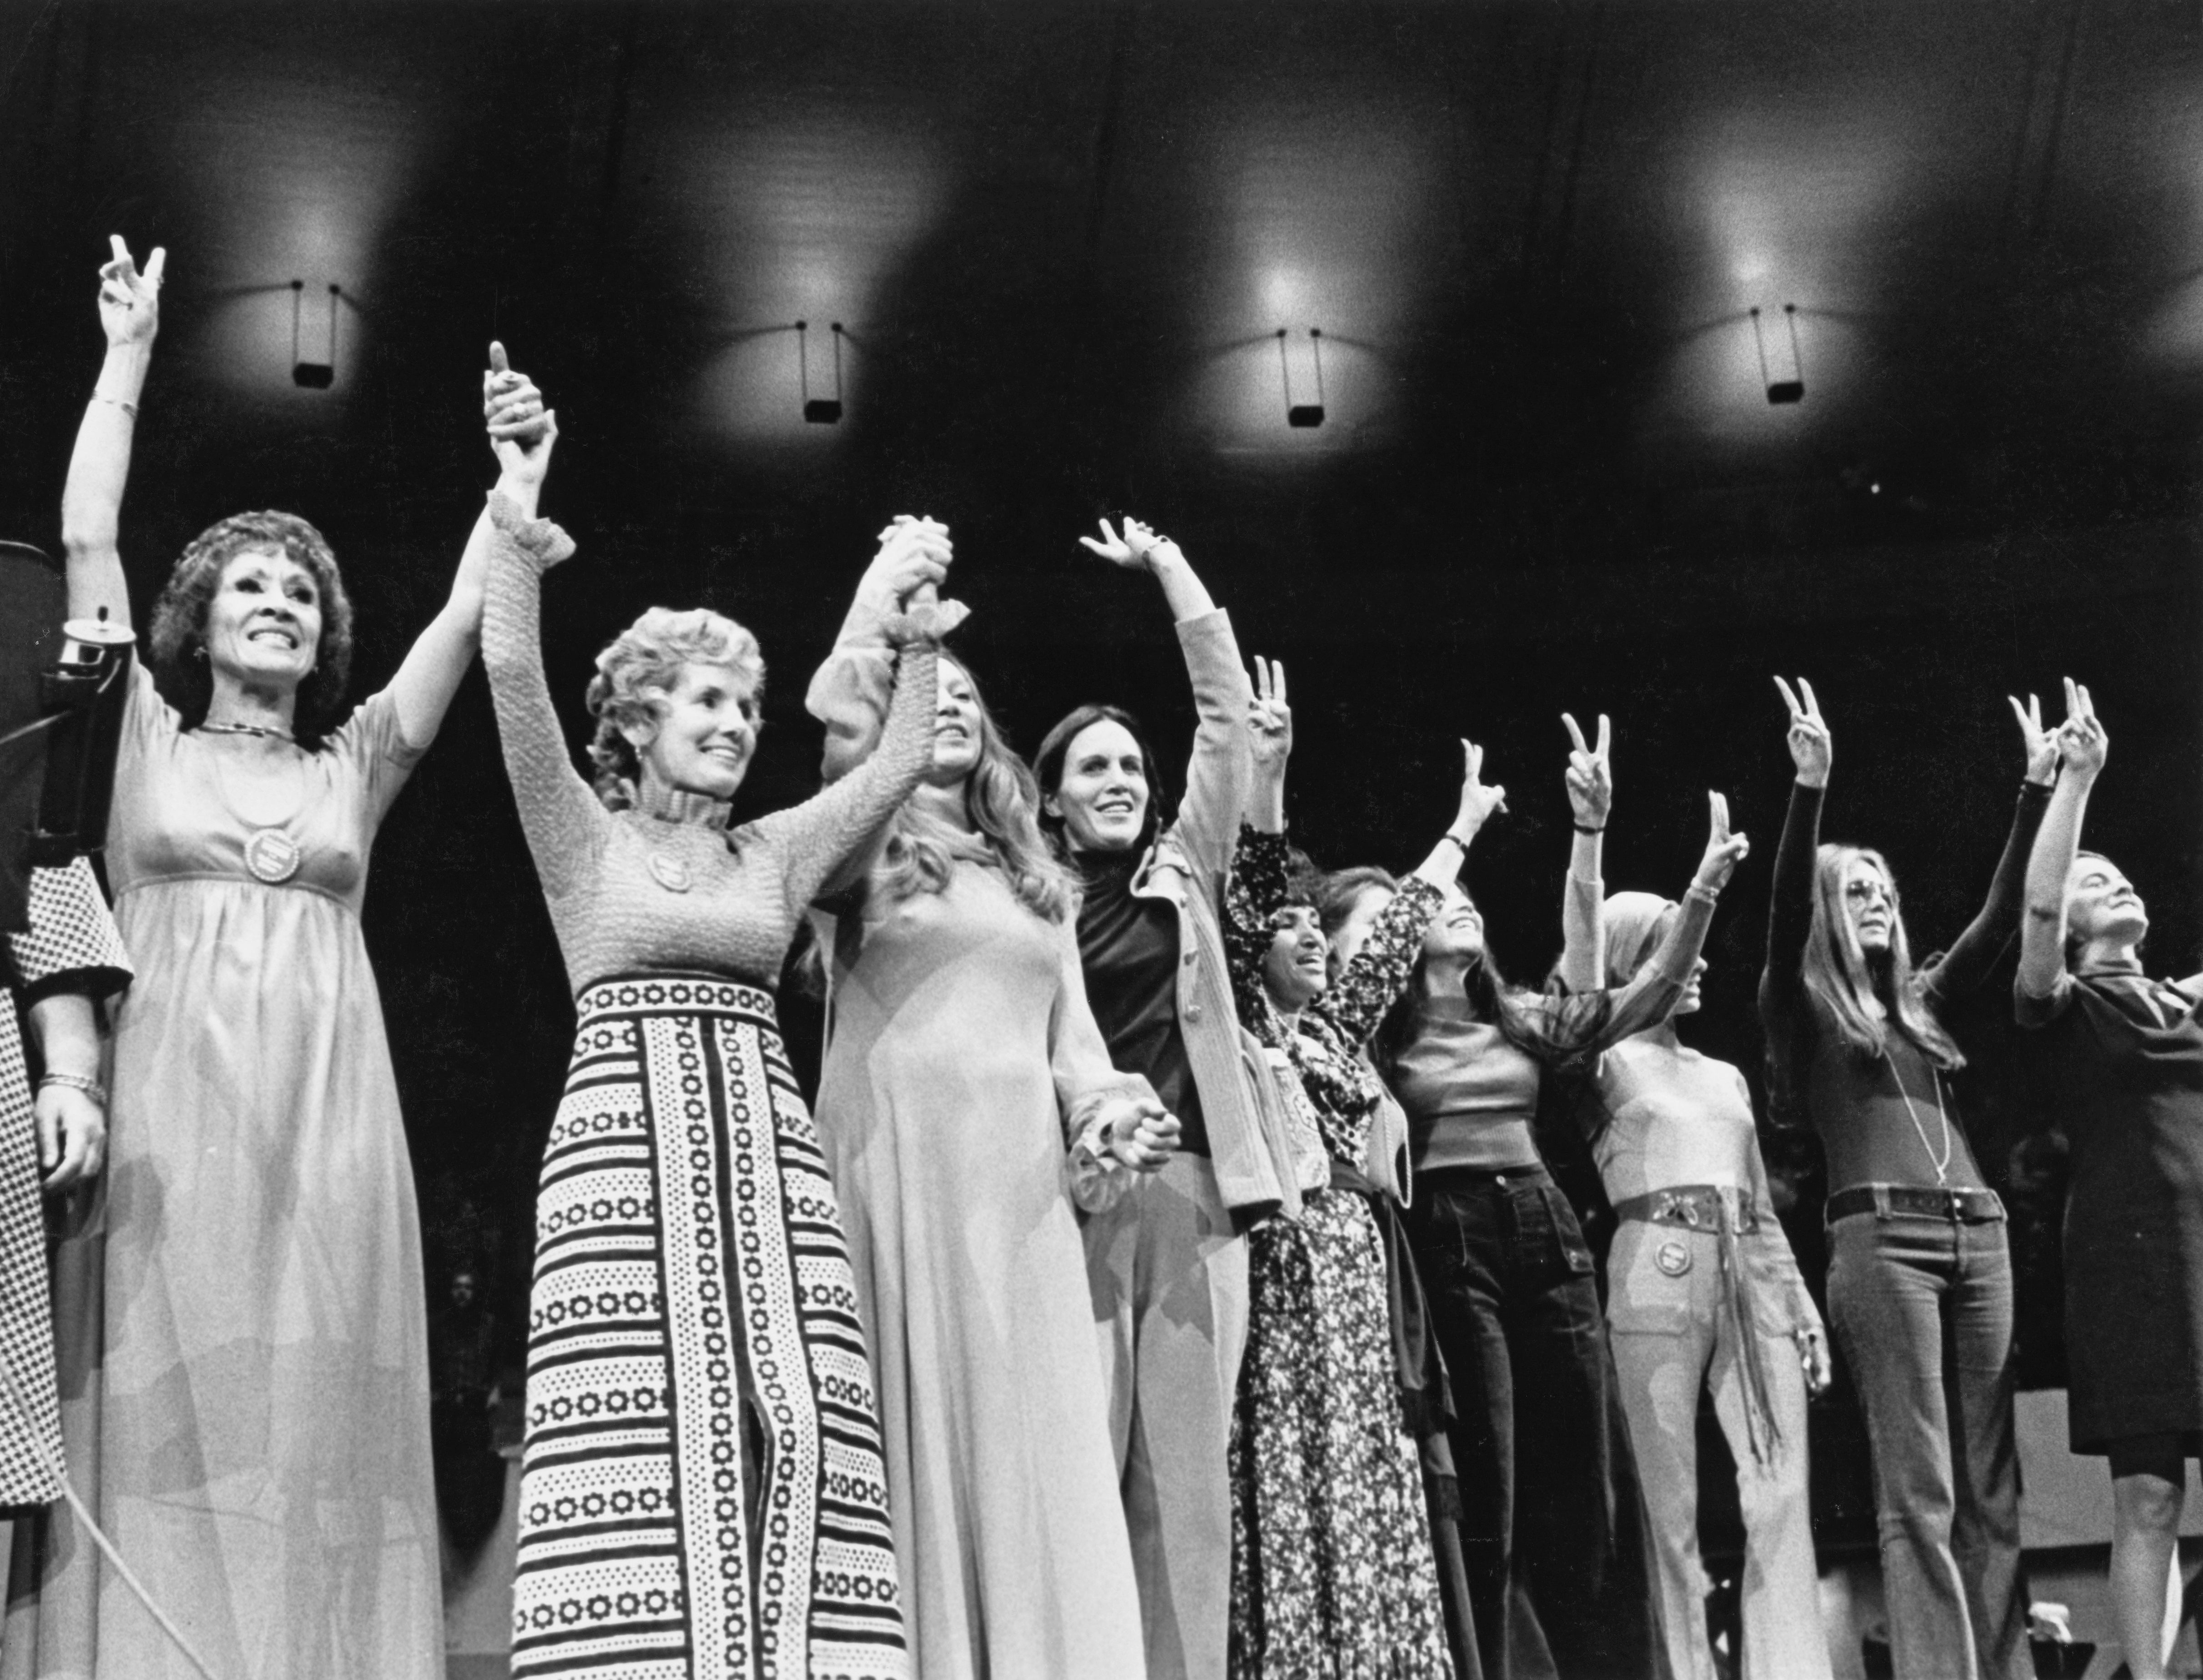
1553,1523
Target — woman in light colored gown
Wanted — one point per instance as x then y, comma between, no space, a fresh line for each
244,1348
968,1106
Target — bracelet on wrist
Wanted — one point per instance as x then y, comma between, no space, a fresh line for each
76,1081
1706,894
1583,830
1457,839
128,407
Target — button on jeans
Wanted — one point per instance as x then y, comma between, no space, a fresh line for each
1920,1305
1552,1525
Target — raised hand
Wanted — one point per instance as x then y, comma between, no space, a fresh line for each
2083,745
912,564
1269,718
1590,775
1139,549
130,301
1724,850
1478,802
2042,744
1810,748
521,431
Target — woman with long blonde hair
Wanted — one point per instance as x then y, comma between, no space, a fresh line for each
1919,1272
969,1109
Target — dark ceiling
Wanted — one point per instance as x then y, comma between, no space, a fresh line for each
1062,238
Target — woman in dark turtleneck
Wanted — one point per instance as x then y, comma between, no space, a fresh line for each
1919,1273
1168,1264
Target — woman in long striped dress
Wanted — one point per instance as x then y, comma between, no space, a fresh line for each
702,1493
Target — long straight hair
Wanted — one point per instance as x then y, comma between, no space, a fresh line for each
1847,980
1001,802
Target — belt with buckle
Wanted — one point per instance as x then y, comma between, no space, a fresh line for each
1699,1208
1963,1208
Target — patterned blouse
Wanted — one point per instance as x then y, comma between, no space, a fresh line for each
1325,1040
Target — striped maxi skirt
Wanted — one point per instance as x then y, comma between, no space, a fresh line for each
702,1493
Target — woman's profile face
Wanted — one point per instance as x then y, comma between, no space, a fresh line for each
1297,969
957,741
263,623
706,732
2101,903
1870,906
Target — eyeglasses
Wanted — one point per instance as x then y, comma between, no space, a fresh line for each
1868,889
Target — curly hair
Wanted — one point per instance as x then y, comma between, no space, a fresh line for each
178,642
1001,802
640,666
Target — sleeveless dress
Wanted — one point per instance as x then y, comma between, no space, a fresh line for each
245,1350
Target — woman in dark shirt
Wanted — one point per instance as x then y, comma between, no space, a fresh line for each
2131,1052
1168,1264
1918,1260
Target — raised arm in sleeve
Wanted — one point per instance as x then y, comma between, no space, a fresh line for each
565,824
1966,965
1355,1003
820,834
1790,919
1583,935
1221,770
1254,892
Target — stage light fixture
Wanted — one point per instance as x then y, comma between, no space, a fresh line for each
312,375
1781,391
1302,415
817,411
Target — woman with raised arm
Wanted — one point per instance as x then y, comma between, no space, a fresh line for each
261,1396
702,1489
1919,1274
2129,1051
1332,1569
1702,1289
969,1109
1167,1264
1550,1525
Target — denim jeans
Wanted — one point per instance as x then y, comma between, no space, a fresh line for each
1920,1305
1552,1525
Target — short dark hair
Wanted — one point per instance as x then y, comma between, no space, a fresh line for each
178,642
1055,747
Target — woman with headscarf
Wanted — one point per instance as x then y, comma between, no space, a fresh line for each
1919,1273
1332,1566
702,1491
256,1416
1701,1291
2129,1054
968,1106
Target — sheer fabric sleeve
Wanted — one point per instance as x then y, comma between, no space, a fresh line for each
1355,1003
1966,965
72,944
566,825
1658,985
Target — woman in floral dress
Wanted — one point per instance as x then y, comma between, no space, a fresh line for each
1333,1572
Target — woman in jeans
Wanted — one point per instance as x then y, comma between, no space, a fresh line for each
1550,1524
1919,1277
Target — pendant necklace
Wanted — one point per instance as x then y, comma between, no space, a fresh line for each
270,852
1942,1167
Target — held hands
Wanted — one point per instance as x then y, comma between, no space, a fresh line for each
1140,549
1478,802
1724,851
912,563
1140,1133
2041,745
71,1136
130,301
1590,775
1810,748
521,431
1269,719
1813,1355
2083,745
